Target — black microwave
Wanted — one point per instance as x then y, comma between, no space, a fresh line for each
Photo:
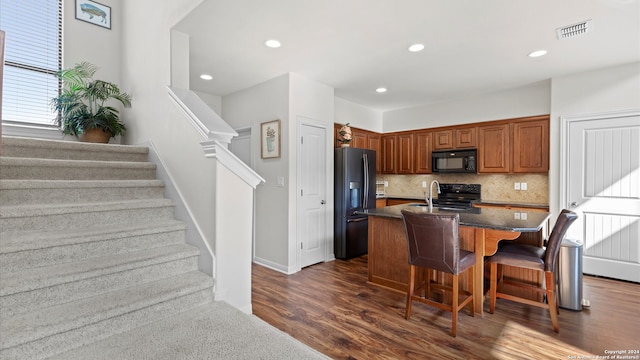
454,161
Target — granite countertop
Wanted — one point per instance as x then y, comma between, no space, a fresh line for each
488,218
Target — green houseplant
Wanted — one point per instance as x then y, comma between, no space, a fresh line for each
83,107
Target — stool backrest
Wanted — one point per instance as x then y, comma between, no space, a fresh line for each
565,219
433,240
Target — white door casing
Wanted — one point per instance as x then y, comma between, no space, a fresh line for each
312,192
601,180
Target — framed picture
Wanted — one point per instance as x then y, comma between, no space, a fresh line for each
94,13
270,139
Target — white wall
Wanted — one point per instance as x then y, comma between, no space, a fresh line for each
357,115
605,90
533,99
248,108
100,46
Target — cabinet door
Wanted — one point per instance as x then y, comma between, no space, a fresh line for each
531,146
493,149
422,152
443,140
373,143
336,136
405,154
389,153
358,139
465,138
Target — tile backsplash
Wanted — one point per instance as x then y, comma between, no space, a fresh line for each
495,187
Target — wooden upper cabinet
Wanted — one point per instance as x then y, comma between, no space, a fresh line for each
443,139
373,143
530,146
359,138
493,148
422,152
389,151
405,154
453,138
464,138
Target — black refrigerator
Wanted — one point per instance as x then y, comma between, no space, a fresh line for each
354,189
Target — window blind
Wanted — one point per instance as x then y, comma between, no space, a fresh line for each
33,54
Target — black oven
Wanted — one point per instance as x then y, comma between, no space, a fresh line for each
454,161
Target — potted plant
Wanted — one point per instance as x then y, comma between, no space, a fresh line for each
345,135
82,104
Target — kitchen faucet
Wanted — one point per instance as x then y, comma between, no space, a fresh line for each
430,201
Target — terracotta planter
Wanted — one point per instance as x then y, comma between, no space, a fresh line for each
95,136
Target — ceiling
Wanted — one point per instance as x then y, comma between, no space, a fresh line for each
355,46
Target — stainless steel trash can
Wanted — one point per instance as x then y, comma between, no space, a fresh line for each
570,275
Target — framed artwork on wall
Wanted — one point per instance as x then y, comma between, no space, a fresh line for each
270,139
94,13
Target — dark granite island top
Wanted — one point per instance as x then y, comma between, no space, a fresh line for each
480,231
486,218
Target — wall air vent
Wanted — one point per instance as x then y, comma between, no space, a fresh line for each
569,31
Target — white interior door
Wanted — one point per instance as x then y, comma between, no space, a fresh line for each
312,192
603,184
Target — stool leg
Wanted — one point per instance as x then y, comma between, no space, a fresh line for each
551,299
454,306
412,272
472,286
493,287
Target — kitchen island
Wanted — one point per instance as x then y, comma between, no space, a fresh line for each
480,231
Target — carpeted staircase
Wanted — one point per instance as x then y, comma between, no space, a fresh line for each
93,265
89,247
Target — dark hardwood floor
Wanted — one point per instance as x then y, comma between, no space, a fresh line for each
331,308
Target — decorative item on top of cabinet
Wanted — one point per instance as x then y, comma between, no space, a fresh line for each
531,145
405,154
422,152
493,148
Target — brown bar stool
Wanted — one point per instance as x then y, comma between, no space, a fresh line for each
434,244
535,258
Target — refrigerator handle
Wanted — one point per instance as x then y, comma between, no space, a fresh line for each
365,200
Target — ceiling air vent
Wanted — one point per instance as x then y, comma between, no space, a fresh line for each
569,31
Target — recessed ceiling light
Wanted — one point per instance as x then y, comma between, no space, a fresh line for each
416,47
538,53
381,90
273,43
206,77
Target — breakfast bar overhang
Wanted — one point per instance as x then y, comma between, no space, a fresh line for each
480,231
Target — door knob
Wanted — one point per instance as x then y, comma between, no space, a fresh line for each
573,204
322,202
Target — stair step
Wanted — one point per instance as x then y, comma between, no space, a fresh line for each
22,250
48,276
46,286
196,334
23,192
54,169
73,216
49,331
71,150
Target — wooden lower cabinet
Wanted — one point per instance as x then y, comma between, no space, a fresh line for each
381,203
